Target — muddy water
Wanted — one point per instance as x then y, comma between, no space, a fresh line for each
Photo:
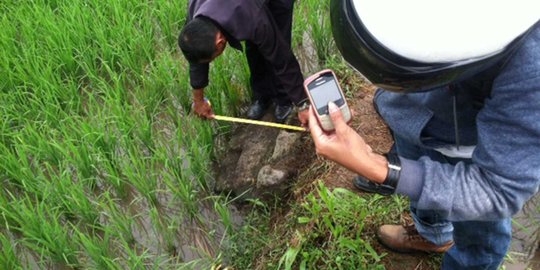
169,235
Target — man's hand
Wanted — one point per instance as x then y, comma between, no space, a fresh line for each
201,106
303,116
346,147
203,109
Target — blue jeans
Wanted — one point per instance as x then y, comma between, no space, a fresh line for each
478,244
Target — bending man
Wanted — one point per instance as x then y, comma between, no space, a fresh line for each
265,26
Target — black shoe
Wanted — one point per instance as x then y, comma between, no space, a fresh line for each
257,109
282,112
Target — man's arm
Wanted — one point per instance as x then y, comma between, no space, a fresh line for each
198,76
505,169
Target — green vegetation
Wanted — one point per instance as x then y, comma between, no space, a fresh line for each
343,222
101,167
327,229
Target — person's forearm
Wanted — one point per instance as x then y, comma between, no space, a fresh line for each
375,169
368,164
198,94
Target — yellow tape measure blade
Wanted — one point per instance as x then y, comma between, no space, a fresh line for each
257,122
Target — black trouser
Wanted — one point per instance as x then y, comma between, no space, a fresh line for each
264,83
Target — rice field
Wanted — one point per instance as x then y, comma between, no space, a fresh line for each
101,165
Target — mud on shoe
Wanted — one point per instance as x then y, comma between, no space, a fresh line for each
406,239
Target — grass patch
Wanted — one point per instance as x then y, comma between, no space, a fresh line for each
327,229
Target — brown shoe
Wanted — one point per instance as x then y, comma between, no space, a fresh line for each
407,239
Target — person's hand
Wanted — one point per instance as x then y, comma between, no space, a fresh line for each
203,109
303,116
346,147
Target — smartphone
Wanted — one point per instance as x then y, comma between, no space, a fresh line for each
321,88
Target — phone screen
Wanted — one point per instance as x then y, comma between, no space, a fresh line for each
324,90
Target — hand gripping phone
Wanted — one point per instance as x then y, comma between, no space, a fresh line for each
321,88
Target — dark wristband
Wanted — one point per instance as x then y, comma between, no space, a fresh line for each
394,170
388,187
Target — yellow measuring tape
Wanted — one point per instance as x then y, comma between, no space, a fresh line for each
256,122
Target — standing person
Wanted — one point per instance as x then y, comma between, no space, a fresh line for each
265,26
464,110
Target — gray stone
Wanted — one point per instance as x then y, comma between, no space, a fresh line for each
269,177
261,162
285,143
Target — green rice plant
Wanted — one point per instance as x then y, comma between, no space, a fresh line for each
153,93
318,19
197,141
165,227
140,172
42,230
118,221
300,24
113,176
83,156
183,190
230,82
168,16
8,257
15,167
69,194
97,248
41,142
132,258
221,207
95,153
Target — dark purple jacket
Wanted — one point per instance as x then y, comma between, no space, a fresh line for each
242,20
